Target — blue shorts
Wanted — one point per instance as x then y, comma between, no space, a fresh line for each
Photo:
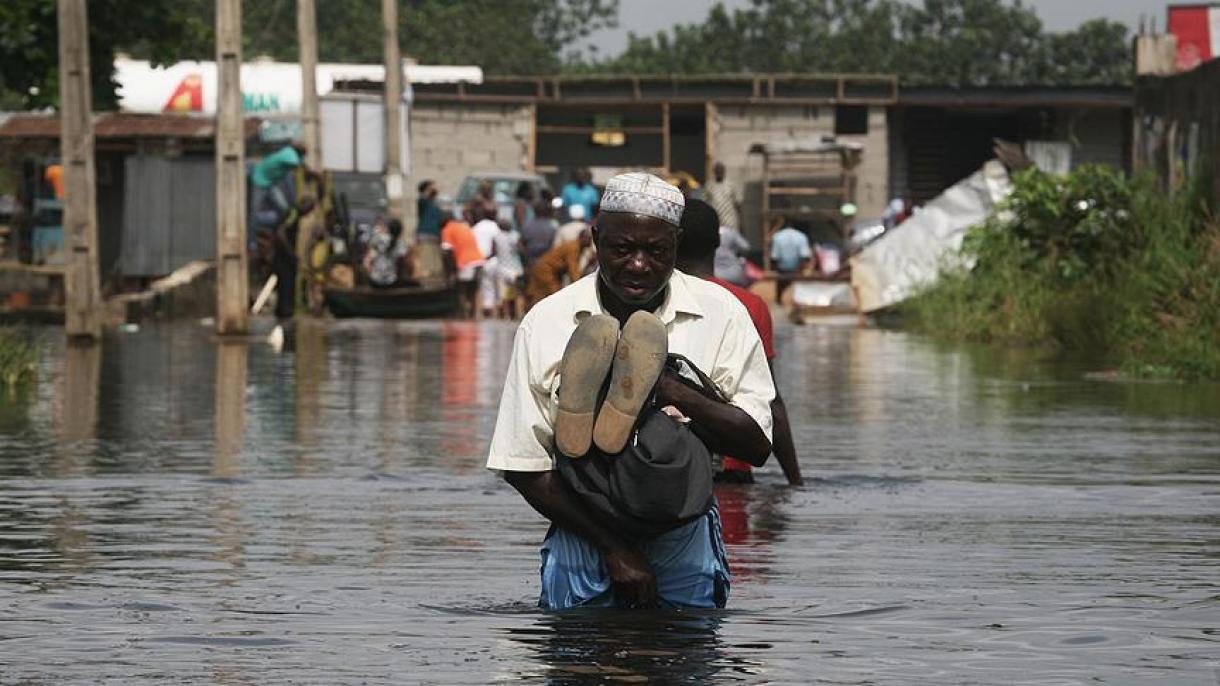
690,563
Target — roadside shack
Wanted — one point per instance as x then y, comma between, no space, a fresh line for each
155,192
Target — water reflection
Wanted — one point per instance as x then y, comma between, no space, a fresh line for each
228,523
584,647
751,518
230,413
78,411
311,371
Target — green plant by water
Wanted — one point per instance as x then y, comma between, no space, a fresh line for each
18,357
1093,262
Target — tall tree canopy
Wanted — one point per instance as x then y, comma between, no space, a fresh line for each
943,42
502,36
29,45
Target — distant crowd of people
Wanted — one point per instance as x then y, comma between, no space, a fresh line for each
506,264
507,254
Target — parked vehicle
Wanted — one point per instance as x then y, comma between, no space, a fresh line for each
504,189
362,197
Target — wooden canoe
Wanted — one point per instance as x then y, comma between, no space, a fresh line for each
409,302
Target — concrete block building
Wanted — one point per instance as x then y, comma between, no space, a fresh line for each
917,141
670,124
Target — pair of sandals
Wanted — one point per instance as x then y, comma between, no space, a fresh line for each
633,359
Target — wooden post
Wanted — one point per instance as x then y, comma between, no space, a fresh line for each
307,39
665,142
82,313
232,308
393,108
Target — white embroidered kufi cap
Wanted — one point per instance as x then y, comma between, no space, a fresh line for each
640,193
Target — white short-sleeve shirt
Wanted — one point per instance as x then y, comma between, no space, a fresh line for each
705,323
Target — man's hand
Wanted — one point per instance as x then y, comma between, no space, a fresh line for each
635,584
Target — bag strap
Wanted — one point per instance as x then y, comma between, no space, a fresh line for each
705,386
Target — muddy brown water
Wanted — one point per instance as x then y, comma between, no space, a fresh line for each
177,511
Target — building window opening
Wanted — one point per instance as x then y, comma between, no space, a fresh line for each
851,120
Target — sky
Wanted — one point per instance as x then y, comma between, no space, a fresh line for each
650,16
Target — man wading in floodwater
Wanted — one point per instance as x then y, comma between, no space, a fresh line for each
636,307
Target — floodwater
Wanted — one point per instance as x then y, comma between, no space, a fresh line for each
177,511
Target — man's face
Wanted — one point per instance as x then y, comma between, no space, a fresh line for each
430,191
635,255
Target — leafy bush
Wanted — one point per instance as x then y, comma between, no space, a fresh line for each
1089,262
18,356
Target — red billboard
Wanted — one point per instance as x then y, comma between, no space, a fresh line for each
1197,28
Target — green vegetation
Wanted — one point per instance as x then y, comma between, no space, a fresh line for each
1092,262
938,42
503,36
941,42
18,356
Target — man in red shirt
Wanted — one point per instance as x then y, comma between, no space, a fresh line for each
696,256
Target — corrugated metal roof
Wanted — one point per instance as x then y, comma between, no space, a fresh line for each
121,125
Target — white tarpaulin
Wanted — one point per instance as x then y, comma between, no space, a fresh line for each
911,255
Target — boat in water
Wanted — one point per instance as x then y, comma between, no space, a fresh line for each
404,302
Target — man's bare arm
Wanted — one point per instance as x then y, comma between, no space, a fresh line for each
727,428
785,448
634,581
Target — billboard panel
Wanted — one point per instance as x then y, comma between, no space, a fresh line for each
1197,28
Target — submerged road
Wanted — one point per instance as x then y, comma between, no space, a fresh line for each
177,511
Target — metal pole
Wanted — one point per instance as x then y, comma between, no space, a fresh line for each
232,317
393,108
82,316
307,37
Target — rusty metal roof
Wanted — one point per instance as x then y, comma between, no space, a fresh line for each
121,125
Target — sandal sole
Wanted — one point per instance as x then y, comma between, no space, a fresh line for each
586,362
639,359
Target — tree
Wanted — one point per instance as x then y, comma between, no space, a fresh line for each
1096,53
770,36
941,42
502,36
29,45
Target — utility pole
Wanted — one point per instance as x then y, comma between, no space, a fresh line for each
393,108
82,315
232,316
307,39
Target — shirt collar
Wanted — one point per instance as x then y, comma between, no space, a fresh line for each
678,299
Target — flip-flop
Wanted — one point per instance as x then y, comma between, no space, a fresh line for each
586,362
638,362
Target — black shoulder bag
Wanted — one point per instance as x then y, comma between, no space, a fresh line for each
661,480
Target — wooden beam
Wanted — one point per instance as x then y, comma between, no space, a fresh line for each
232,302
394,181
547,128
307,40
666,154
82,316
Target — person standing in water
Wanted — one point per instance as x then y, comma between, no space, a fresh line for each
586,561
697,257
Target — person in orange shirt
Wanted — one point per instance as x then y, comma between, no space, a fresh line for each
457,237
546,276
54,175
